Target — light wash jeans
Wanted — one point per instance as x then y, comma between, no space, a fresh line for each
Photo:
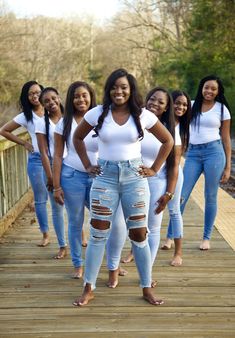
37,179
157,187
76,187
116,240
209,159
175,226
119,181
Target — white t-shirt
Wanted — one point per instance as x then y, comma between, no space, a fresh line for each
119,143
40,128
30,126
209,128
150,147
72,159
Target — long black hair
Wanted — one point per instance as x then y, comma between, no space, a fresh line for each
135,100
167,119
24,102
197,105
46,114
69,106
184,120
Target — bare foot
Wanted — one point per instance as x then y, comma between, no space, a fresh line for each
176,261
150,298
113,278
45,241
122,272
62,253
168,244
86,296
129,258
205,245
77,272
153,283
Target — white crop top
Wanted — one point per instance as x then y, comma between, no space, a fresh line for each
30,126
209,128
72,159
119,142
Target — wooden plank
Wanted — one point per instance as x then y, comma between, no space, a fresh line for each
37,291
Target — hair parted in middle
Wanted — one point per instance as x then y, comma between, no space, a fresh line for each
69,106
135,101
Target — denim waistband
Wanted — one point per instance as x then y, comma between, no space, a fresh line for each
204,145
125,162
34,155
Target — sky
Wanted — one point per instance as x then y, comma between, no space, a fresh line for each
99,9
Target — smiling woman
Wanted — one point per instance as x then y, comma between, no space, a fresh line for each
25,8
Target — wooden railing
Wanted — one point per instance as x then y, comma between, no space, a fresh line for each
15,190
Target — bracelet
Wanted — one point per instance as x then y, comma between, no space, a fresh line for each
169,194
57,189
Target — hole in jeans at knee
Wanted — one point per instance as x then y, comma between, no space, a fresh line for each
138,234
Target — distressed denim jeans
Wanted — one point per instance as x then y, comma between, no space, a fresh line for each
118,182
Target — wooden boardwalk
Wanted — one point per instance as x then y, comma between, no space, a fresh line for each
36,291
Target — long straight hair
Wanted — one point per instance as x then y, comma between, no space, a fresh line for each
197,105
26,106
184,120
167,119
69,106
46,114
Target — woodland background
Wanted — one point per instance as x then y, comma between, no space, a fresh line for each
173,43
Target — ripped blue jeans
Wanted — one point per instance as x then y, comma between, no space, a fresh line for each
119,182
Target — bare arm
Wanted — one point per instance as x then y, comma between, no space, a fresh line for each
172,176
6,131
164,136
43,148
80,133
226,139
56,168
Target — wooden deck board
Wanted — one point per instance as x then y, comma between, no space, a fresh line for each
36,291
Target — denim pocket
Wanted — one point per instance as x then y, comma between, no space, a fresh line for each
67,171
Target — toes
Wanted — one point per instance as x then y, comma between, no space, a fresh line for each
153,284
122,272
154,301
112,285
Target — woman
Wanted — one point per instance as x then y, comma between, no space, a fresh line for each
182,111
44,130
162,184
70,180
209,151
32,111
120,175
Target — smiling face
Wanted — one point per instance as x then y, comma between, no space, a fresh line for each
157,103
51,101
33,94
210,90
120,92
180,106
81,100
